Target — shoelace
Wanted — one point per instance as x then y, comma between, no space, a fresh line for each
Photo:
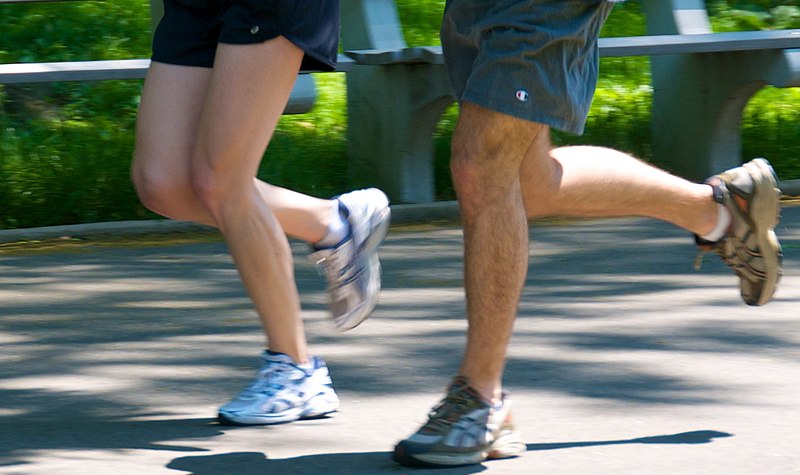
338,279
737,260
698,259
449,411
271,379
704,247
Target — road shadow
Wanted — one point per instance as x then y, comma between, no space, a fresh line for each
371,463
83,333
693,437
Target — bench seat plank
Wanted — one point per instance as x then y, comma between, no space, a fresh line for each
18,73
703,43
301,100
414,54
73,71
627,46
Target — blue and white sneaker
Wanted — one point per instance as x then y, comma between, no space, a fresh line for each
352,268
283,391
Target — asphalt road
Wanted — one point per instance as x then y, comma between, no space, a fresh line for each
115,354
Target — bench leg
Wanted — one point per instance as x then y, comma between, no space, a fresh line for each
698,102
392,115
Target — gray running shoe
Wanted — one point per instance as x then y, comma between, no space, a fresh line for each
352,268
282,392
462,430
750,248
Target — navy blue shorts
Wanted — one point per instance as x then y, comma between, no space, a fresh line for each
190,30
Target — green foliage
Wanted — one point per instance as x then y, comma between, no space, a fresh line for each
619,118
771,129
73,31
733,15
421,20
65,148
307,152
67,162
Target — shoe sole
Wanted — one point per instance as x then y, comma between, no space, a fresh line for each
433,459
507,445
316,408
764,212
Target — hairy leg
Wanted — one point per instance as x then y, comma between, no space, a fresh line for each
168,121
586,181
505,170
247,92
488,148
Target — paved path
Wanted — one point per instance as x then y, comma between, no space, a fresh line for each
113,359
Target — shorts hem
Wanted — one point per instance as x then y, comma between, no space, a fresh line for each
181,61
312,61
538,116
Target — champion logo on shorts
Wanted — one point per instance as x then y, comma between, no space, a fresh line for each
522,95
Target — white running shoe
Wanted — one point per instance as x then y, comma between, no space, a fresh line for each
352,268
282,391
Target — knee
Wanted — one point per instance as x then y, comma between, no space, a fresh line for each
150,186
481,169
470,162
159,189
219,193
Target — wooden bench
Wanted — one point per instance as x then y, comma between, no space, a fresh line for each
701,82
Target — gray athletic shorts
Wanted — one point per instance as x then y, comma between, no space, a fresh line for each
532,59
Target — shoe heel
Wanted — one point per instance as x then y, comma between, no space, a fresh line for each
376,238
321,405
764,208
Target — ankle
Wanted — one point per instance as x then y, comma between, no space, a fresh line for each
299,357
337,228
490,392
709,219
721,225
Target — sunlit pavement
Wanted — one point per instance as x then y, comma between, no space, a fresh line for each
625,360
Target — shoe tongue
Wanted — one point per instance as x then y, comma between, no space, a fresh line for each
461,384
458,382
275,357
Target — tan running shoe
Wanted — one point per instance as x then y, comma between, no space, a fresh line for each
463,429
750,247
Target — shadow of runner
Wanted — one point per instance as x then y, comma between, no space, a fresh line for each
694,437
87,431
252,463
